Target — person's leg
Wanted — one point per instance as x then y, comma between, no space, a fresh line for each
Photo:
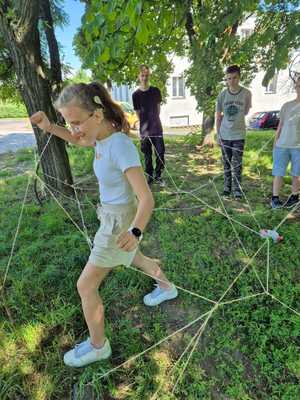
96,347
295,170
293,199
151,267
92,306
164,290
237,165
277,185
146,148
280,162
226,155
159,146
296,185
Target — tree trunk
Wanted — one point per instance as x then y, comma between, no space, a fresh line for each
207,123
23,41
56,75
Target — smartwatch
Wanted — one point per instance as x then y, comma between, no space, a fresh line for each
136,232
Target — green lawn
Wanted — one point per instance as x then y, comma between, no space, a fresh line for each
12,110
248,349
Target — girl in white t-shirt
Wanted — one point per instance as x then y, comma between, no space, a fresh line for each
97,121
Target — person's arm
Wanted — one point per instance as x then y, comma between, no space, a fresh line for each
248,103
280,125
219,117
41,120
127,241
66,135
278,131
159,100
136,105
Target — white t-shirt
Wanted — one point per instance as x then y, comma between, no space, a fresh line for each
233,107
113,156
290,131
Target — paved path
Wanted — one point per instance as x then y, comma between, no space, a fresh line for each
16,134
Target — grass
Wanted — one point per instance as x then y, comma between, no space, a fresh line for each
248,350
12,110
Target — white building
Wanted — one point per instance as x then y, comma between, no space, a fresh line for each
180,107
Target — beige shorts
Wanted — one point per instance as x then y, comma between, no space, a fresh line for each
114,219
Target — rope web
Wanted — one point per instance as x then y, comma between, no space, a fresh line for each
203,319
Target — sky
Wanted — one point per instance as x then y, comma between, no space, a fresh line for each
75,10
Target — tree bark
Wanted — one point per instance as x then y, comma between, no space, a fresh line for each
22,38
55,65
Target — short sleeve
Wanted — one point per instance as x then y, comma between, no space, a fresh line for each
219,103
124,153
135,101
282,112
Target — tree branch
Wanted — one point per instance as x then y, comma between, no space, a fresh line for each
189,24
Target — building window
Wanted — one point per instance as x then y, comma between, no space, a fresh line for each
272,85
245,33
180,120
178,86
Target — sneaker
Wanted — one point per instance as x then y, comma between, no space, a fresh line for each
160,181
276,203
85,353
237,195
158,295
291,201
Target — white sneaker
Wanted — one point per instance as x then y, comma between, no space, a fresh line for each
85,353
158,295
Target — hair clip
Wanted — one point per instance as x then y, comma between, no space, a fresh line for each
97,100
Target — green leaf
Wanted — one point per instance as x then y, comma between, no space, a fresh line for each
142,34
105,55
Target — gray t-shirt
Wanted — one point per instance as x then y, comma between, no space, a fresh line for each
233,106
290,131
113,156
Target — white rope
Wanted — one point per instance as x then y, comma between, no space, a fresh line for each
154,345
218,303
66,212
178,287
237,236
16,234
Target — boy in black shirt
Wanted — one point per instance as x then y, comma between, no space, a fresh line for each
146,102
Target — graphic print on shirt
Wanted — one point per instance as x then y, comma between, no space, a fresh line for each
232,109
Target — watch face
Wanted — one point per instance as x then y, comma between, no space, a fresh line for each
136,232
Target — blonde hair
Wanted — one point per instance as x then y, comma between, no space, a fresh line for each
90,97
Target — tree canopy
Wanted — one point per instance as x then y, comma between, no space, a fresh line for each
118,35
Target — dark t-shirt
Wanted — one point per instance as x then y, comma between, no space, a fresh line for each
147,103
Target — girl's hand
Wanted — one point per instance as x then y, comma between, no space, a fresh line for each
127,241
41,120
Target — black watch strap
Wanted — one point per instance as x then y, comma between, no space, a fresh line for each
136,232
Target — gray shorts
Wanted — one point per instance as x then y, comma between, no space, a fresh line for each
114,219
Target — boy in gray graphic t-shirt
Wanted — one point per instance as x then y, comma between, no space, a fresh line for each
233,104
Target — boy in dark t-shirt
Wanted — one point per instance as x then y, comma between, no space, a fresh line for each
146,102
